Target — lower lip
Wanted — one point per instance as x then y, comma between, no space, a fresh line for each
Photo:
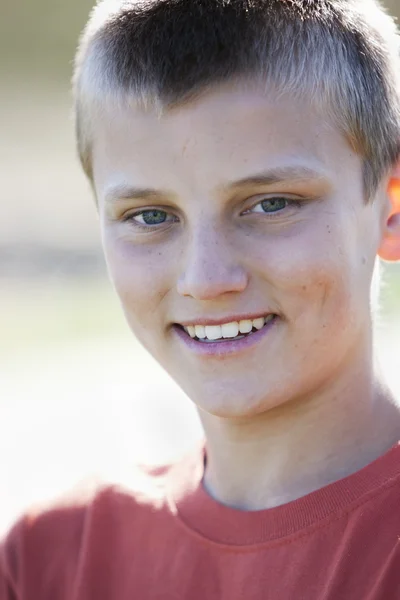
222,349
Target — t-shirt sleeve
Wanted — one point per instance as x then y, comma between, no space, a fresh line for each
9,550
39,555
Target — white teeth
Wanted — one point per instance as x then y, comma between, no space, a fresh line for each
245,326
213,332
191,331
230,330
258,323
200,331
227,330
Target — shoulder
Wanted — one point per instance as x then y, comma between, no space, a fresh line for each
48,533
45,546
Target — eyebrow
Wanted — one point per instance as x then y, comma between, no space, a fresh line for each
265,178
123,191
277,175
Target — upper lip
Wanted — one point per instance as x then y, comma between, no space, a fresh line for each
223,320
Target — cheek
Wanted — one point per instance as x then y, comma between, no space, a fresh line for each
320,298
325,296
312,276
140,277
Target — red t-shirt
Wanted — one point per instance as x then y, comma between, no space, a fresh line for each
163,537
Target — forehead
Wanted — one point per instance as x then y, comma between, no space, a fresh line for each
229,131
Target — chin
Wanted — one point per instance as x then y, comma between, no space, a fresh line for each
229,404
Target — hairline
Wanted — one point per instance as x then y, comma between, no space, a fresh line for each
126,101
97,83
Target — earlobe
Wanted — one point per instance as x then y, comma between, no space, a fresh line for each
390,245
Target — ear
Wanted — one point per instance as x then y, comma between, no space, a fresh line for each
390,244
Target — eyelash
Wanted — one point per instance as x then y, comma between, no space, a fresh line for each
290,202
130,219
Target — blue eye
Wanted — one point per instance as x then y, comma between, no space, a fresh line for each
150,218
274,204
153,217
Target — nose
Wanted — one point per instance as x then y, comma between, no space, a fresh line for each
210,268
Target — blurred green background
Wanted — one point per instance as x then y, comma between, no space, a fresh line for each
74,393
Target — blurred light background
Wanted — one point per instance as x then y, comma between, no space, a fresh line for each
77,393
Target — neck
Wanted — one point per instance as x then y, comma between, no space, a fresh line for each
292,450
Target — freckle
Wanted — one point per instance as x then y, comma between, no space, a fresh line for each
304,287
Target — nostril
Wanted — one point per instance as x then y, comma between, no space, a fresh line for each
211,285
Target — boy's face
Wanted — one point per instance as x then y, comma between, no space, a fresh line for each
254,207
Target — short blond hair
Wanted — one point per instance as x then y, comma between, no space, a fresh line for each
341,54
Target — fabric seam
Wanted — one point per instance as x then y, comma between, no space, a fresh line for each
291,538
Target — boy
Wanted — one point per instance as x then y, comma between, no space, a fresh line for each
243,155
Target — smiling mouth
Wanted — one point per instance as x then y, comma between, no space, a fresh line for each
234,331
